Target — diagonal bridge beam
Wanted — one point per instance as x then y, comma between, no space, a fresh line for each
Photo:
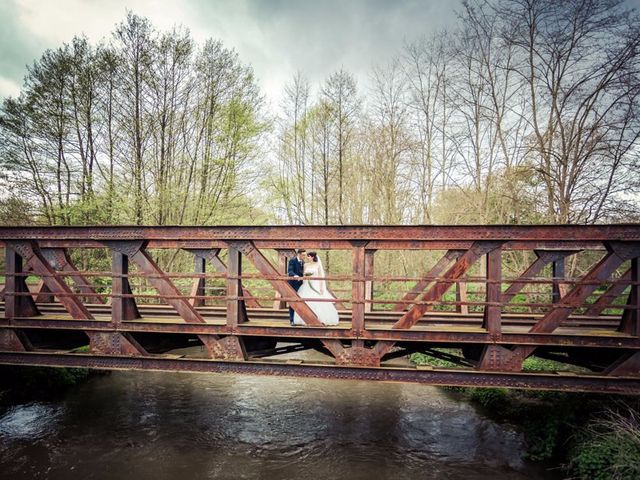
438,289
229,347
60,260
423,283
543,258
35,259
617,254
286,291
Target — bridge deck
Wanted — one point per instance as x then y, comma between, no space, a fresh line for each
577,325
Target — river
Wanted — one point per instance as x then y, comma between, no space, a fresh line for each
148,425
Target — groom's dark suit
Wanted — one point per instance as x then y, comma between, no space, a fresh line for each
295,267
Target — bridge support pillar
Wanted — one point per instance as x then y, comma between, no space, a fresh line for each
212,255
630,323
358,287
236,308
462,298
492,310
122,307
368,279
39,265
17,301
558,273
198,289
283,264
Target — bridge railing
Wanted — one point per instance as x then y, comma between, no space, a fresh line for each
483,297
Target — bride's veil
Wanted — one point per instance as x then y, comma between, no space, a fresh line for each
322,284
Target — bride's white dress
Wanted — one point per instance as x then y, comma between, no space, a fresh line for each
325,311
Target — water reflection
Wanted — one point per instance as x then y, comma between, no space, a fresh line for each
172,425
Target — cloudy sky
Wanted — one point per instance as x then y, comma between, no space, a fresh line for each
277,37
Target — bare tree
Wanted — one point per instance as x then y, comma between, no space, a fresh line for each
580,63
295,168
340,95
390,146
426,65
135,45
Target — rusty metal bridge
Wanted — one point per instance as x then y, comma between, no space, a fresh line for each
486,299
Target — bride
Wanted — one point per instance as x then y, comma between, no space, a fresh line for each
325,311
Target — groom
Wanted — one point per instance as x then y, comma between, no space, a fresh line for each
295,269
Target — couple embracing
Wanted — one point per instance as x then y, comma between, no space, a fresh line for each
310,265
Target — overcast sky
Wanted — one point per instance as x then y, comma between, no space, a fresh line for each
277,37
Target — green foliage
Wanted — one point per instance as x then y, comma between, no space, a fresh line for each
509,198
545,418
20,383
423,359
60,377
494,398
545,430
569,426
83,349
144,128
536,364
16,211
97,209
609,448
593,460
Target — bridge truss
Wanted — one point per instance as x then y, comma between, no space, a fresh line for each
487,299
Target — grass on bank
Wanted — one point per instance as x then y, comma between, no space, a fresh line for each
609,447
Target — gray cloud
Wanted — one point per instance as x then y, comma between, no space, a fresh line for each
276,37
321,37
17,47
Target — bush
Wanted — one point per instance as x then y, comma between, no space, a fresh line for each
24,383
609,448
492,398
423,359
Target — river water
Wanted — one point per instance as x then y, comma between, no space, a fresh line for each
144,425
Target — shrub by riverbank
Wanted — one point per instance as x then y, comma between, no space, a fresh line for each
20,384
589,436
608,447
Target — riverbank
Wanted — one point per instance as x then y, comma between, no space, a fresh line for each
20,384
587,436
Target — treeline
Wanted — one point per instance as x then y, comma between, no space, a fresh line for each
525,112
145,128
